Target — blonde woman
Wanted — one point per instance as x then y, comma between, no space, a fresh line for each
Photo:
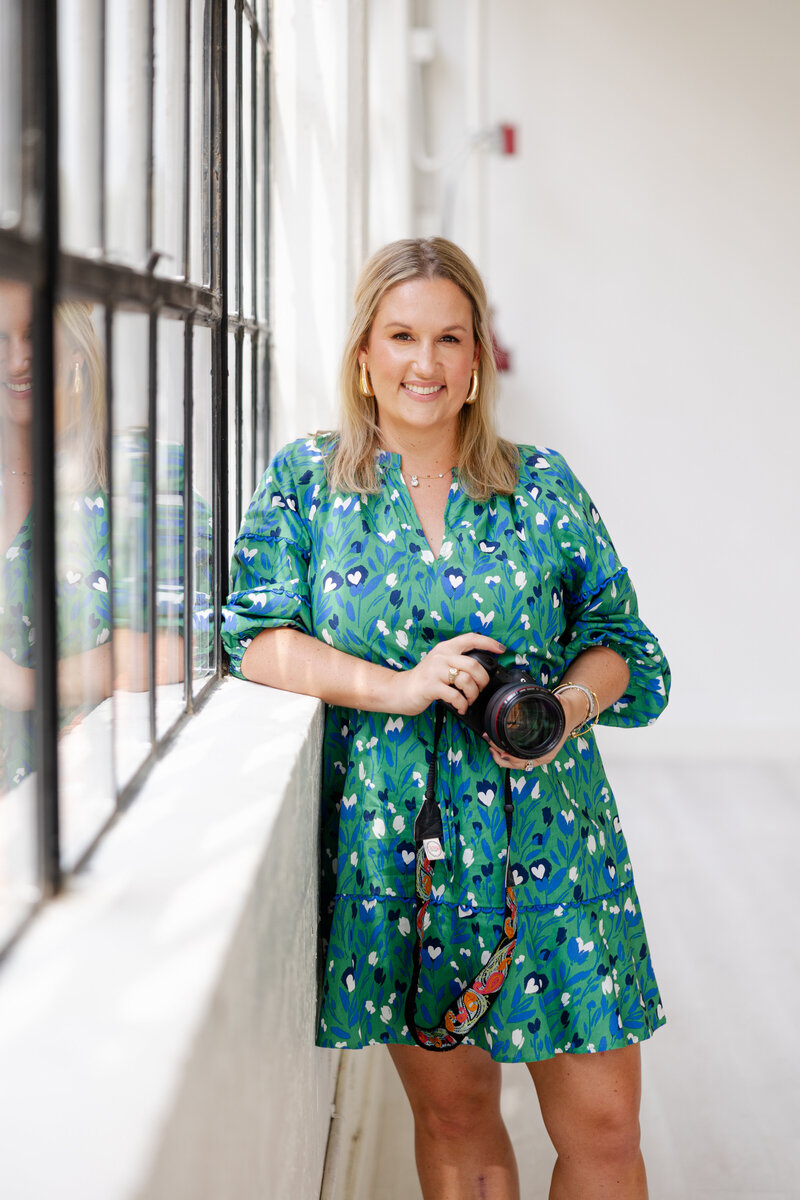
478,905
82,566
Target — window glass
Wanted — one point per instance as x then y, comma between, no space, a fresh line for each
80,115
248,199
83,589
169,136
261,185
10,90
199,130
248,482
234,412
204,645
126,134
18,870
234,178
130,542
170,608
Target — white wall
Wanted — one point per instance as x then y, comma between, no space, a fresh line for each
319,198
642,254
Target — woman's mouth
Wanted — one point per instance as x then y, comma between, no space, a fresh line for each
423,389
18,387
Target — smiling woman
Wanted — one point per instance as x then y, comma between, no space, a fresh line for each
473,901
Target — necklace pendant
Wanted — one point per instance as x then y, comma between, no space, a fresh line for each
414,481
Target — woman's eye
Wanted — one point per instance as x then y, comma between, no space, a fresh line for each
401,337
449,337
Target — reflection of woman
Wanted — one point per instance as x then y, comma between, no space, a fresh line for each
82,524
367,565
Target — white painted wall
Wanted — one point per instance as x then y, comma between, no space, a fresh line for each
642,254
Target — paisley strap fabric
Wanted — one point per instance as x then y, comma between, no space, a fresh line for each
474,1000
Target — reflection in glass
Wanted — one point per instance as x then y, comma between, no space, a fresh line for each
234,477
79,118
247,168
169,526
199,245
17,638
9,112
262,423
169,136
83,589
127,106
203,446
131,537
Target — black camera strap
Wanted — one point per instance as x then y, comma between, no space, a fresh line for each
475,1000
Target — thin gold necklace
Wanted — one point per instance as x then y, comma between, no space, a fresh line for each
415,478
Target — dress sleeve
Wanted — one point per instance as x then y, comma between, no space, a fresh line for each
601,606
269,571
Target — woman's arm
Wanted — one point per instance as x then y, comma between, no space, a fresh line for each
295,662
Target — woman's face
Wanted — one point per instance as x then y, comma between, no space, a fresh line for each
420,353
16,352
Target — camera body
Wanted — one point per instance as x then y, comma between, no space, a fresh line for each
518,715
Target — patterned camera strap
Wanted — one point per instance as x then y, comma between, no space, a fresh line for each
462,1015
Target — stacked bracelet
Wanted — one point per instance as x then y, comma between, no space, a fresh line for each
591,700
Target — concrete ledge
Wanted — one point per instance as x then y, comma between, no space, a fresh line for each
157,1021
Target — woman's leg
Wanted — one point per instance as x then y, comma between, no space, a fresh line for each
462,1147
590,1106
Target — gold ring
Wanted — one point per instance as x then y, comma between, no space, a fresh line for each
530,765
453,675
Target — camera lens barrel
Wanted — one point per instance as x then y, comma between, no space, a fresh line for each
522,718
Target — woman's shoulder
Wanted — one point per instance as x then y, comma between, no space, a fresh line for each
544,465
303,455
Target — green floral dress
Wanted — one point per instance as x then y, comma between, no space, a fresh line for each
537,571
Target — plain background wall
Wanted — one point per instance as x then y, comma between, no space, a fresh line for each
642,255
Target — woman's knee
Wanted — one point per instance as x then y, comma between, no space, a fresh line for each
451,1095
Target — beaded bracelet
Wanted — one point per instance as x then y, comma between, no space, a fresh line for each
591,700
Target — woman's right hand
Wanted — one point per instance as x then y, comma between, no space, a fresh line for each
445,673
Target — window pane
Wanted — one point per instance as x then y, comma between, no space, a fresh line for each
261,187
17,783
10,88
80,108
204,641
169,526
247,169
234,482
199,133
127,83
262,415
130,540
83,593
169,136
233,166
248,482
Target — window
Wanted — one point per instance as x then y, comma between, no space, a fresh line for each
133,394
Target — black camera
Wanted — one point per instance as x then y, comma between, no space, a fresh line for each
518,715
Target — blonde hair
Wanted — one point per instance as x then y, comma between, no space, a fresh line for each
487,464
84,439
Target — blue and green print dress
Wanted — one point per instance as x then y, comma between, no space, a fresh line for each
537,571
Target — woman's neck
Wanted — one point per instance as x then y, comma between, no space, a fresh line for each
423,455
17,443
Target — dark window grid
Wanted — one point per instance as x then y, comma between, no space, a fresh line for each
123,288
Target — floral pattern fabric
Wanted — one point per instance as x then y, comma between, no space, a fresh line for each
536,570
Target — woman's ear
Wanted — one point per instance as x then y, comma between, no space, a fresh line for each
476,358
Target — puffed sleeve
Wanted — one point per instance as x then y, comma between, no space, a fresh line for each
269,571
601,605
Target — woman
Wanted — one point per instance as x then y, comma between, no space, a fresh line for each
82,566
369,565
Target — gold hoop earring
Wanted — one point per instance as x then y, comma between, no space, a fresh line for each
472,394
365,383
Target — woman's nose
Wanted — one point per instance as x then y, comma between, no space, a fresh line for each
426,358
19,356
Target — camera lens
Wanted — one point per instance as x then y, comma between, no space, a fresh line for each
525,721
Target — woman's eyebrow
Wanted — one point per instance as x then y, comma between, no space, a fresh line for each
402,325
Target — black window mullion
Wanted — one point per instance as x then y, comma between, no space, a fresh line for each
110,351
102,127
45,288
187,139
239,163
253,151
238,417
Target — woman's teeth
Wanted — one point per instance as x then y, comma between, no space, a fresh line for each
423,391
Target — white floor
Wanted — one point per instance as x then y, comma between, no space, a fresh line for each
715,849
